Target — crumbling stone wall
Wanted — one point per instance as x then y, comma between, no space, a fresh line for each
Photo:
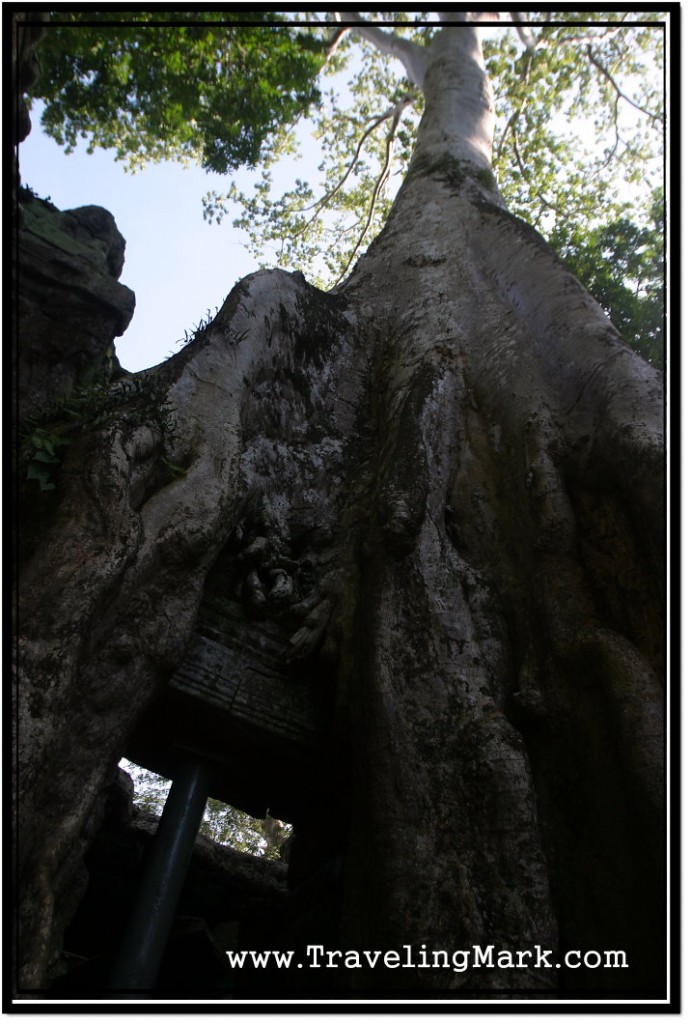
70,305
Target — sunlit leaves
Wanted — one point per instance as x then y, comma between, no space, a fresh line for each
366,128
622,265
579,142
580,132
581,123
197,87
222,823
232,827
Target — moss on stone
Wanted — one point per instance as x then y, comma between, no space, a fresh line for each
485,177
455,172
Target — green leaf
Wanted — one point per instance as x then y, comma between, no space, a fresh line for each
43,456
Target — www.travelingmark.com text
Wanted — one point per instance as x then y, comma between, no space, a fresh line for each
458,960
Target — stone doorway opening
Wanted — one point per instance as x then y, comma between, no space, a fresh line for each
230,826
226,895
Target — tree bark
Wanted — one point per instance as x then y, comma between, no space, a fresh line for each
471,462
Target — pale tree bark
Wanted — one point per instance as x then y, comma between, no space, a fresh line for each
472,462
412,56
533,409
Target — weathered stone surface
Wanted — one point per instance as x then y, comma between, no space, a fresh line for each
240,689
70,305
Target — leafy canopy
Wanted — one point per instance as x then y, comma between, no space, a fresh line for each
578,148
623,267
578,154
175,86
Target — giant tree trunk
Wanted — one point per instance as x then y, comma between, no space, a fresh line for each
469,461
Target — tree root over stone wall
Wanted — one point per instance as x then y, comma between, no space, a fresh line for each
447,445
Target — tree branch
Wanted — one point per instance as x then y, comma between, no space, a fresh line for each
468,17
393,112
412,56
331,44
620,94
598,37
390,138
525,75
526,177
610,155
525,34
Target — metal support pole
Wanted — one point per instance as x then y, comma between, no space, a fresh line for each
144,942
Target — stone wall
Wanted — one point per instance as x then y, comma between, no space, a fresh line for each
70,305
